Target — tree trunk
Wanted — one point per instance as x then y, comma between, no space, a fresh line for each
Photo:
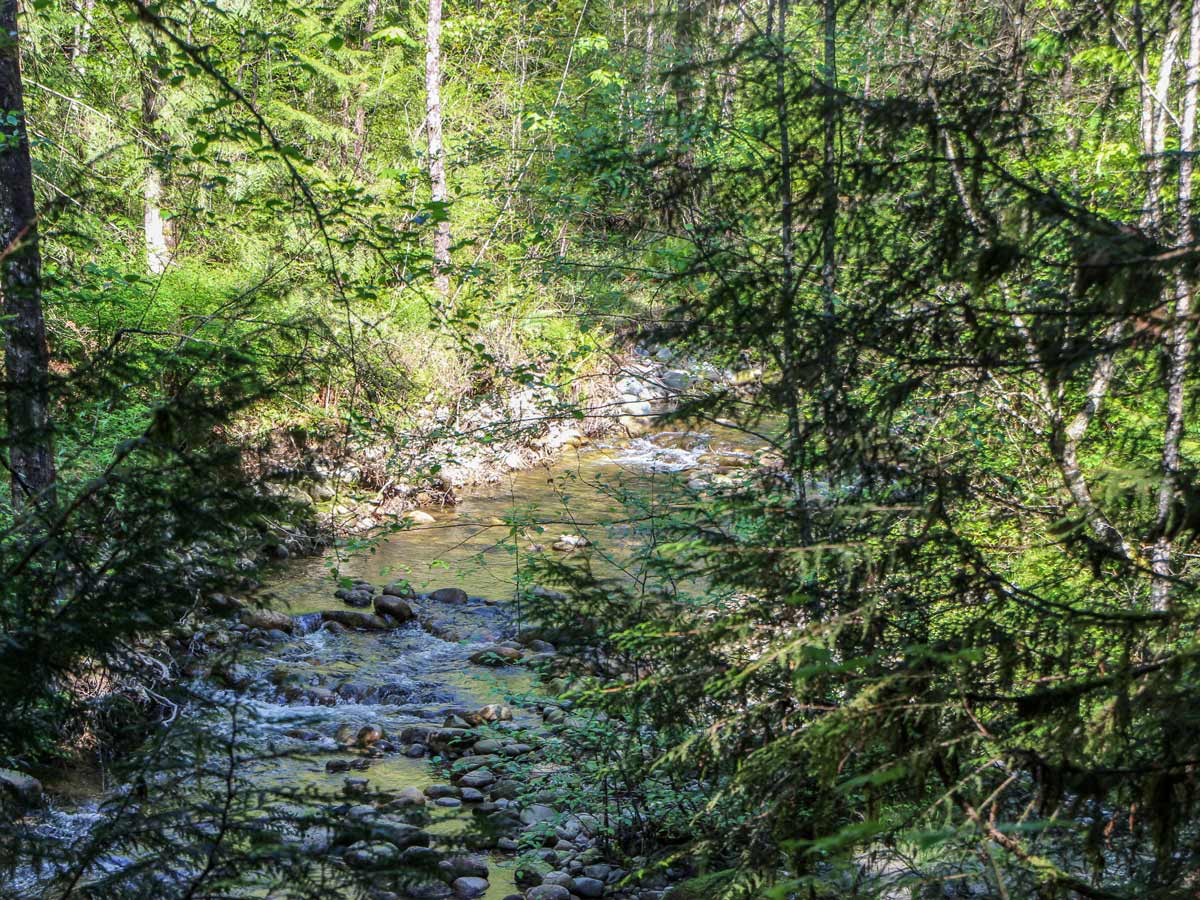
1179,343
26,358
437,152
360,110
158,251
83,34
829,188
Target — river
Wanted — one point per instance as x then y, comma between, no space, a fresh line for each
299,692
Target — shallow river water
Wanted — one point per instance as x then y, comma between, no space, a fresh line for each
408,675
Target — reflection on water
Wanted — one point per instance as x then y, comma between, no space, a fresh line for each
478,544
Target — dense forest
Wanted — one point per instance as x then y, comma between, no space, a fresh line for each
640,449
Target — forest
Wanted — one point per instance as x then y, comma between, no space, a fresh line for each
567,449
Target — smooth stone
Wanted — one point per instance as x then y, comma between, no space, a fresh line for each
359,599
354,618
267,619
495,655
548,892
538,813
589,887
401,589
468,887
368,735
448,802
449,595
397,608
436,791
478,779
418,517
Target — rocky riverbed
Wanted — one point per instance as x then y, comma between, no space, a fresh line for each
398,680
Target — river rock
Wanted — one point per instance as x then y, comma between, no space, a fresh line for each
464,867
560,878
589,887
357,599
493,712
471,795
24,790
368,735
408,796
449,595
421,857
568,542
353,618
495,655
437,791
391,605
677,380
469,887
480,778
401,589
398,833
370,855
224,603
266,619
548,892
537,813
418,517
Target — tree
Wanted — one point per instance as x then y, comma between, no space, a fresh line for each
436,151
26,356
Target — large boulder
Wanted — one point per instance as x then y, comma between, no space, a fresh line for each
354,618
267,619
449,595
19,788
391,605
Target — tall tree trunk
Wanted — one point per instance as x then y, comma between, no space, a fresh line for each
787,289
360,109
437,152
26,358
729,85
829,186
83,34
1179,342
158,251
